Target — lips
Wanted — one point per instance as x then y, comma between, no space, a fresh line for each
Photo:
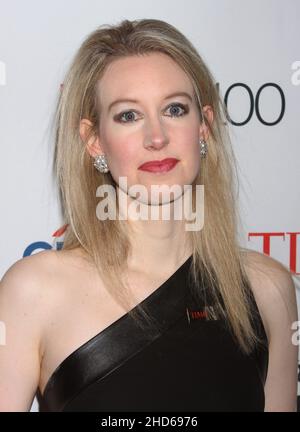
159,166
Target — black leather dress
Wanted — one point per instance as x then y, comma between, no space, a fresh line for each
191,364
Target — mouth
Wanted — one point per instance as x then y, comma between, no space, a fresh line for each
159,166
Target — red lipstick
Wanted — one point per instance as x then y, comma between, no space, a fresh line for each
159,166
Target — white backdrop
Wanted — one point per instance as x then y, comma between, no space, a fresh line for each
252,49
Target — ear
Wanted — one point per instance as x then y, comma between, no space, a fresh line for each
209,117
91,141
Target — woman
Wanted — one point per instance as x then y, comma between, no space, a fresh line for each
143,313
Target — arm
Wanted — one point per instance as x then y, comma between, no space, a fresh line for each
21,317
275,294
281,383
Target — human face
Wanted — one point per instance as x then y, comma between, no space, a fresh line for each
155,126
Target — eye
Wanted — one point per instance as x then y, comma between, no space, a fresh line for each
125,117
174,109
177,110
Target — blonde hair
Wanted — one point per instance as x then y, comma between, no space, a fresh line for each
217,258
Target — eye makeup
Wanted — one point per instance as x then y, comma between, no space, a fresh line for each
184,107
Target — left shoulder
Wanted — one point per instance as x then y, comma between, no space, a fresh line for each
273,288
267,270
275,294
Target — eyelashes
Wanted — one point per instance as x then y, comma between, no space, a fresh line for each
121,118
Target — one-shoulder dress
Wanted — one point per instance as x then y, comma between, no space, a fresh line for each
191,364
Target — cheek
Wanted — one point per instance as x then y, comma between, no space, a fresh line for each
122,157
196,154
192,158
190,148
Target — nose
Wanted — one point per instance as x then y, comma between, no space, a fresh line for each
155,137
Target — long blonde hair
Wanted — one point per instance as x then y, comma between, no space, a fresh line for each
217,258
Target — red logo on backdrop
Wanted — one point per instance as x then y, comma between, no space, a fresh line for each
267,241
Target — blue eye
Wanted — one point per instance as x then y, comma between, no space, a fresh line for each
184,109
128,116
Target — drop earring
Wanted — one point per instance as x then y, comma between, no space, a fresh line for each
100,163
203,148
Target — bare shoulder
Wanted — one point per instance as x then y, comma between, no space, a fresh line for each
26,290
23,300
274,289
25,276
275,293
30,292
269,276
37,269
36,280
33,286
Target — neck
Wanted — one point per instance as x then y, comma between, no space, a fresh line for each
156,243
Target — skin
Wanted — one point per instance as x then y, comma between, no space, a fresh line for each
158,133
44,297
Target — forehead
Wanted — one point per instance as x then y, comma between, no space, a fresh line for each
154,73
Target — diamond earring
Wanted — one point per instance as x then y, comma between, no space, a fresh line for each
100,163
203,148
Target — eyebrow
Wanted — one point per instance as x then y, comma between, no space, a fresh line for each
136,101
